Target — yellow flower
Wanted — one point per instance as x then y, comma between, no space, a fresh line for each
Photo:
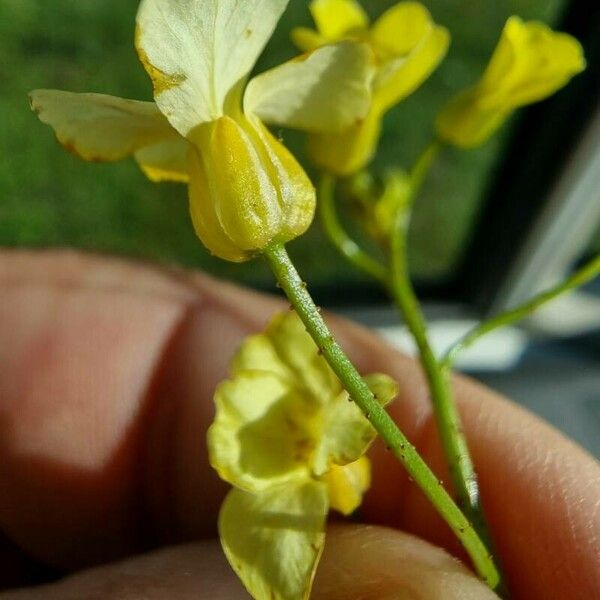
407,46
206,125
530,63
287,437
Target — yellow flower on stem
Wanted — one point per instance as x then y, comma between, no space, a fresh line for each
206,126
288,439
529,63
407,46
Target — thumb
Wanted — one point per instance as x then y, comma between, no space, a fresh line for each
359,562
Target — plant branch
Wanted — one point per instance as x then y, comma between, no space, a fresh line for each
345,245
295,289
580,277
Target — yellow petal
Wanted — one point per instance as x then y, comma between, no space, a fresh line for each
102,128
399,29
347,152
307,39
286,348
529,63
262,434
346,431
196,51
274,540
326,90
347,484
465,124
336,19
384,388
410,58
165,161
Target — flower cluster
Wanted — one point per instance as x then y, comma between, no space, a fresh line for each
407,46
289,439
206,125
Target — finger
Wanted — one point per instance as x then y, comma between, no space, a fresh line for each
531,477
358,562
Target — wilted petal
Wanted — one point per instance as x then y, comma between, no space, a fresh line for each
287,349
97,127
274,540
263,431
346,431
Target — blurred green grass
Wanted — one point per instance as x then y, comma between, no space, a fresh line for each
50,198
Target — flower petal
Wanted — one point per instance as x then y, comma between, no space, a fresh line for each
286,348
384,388
307,39
400,28
412,46
326,90
97,127
166,160
274,540
196,51
345,153
346,485
261,435
346,432
338,18
530,63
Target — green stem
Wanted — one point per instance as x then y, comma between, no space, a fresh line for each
295,289
583,275
445,411
340,239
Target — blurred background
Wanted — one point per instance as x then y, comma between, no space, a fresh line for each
492,225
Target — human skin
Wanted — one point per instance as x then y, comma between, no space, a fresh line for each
108,370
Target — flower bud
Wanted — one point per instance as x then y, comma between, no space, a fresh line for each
530,63
246,189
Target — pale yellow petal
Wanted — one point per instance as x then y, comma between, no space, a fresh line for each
298,351
97,127
262,433
274,540
196,51
346,433
165,161
347,484
326,90
336,19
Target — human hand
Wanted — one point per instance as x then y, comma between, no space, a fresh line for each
108,370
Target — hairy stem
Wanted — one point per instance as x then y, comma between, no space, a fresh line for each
445,411
295,289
